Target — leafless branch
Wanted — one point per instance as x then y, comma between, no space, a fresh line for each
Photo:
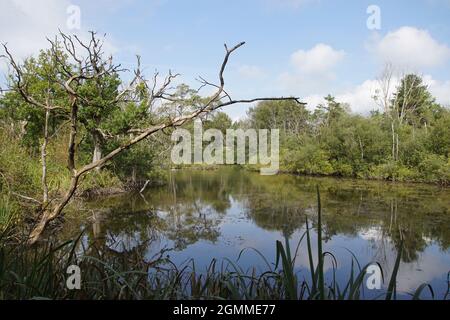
94,67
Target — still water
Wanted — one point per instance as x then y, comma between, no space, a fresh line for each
216,214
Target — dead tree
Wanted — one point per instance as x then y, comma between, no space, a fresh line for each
93,66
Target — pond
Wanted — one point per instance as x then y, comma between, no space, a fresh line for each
203,215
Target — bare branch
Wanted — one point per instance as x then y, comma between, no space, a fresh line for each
94,67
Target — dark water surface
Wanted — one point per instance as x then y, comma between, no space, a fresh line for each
215,214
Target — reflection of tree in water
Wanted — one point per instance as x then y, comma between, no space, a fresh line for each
185,211
124,233
349,207
276,218
193,204
189,224
204,188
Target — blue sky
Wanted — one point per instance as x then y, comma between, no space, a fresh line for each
307,48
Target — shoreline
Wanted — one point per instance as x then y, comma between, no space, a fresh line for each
285,172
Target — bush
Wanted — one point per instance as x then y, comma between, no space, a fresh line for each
21,170
393,171
342,169
310,159
440,135
435,168
100,180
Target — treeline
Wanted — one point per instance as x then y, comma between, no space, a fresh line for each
408,140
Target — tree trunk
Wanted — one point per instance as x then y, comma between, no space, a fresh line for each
396,151
97,154
393,140
133,175
72,136
361,147
49,215
23,128
44,158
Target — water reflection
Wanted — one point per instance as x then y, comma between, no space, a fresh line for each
216,214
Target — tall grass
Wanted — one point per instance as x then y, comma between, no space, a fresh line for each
40,272
7,212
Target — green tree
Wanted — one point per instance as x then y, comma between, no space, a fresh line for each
412,101
440,135
220,121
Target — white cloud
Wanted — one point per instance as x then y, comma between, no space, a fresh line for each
407,48
428,267
410,47
320,59
360,97
439,89
25,25
313,70
253,72
312,101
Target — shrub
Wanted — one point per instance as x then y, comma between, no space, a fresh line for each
342,169
393,171
310,159
18,167
435,168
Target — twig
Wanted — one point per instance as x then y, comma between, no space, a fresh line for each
26,198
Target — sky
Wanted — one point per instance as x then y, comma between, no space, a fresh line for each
303,48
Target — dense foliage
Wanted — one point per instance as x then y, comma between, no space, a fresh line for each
333,141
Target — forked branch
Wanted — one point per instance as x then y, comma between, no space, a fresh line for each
94,67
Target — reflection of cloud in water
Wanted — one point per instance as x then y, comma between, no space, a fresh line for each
430,266
371,233
123,242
